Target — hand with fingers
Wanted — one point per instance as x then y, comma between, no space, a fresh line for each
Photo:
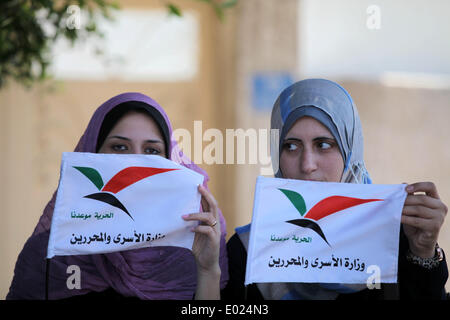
422,218
206,246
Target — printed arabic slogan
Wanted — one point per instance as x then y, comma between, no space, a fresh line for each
109,202
320,232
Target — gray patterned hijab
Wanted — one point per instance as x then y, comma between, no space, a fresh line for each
330,104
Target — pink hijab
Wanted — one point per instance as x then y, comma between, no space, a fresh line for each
148,273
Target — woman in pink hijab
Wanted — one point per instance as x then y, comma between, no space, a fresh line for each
130,123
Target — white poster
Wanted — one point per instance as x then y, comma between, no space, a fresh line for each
322,232
109,202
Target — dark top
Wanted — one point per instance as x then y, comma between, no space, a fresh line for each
107,295
414,282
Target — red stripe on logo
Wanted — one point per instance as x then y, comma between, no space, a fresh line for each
334,204
130,175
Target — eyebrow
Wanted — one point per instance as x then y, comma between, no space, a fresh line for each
315,139
128,139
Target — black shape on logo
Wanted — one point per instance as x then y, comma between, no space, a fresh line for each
305,223
109,199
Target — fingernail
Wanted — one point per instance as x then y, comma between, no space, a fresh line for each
184,216
409,188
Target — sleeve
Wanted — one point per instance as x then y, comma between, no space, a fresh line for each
28,282
223,262
223,257
416,282
237,262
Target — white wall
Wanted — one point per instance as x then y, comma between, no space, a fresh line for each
340,39
137,45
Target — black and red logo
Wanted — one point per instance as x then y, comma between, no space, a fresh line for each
322,209
118,182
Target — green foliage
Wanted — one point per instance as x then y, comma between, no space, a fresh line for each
218,5
173,9
29,28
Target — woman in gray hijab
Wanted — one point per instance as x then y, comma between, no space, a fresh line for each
321,140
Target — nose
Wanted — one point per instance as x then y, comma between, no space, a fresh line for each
135,149
308,162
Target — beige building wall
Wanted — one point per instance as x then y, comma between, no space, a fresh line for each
37,125
266,42
406,131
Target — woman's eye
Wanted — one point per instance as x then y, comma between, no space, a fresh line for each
290,146
119,147
324,145
151,151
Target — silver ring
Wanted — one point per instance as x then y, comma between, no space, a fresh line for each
213,224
